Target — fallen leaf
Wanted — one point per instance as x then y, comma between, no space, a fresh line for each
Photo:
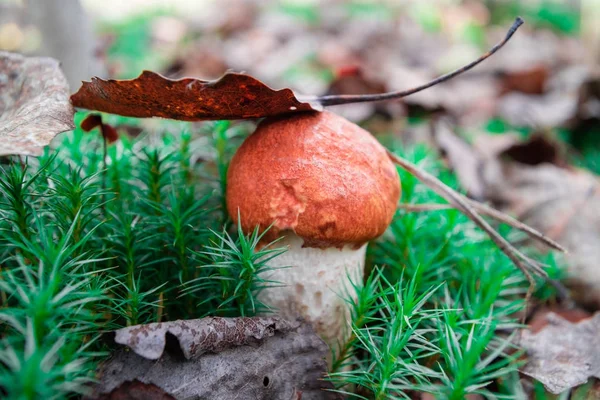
563,354
198,336
233,96
537,111
34,103
541,317
471,99
220,358
530,180
562,203
137,390
461,157
530,81
350,79
556,106
94,121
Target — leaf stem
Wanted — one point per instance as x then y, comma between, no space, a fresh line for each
333,100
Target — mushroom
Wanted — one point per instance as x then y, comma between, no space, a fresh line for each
326,187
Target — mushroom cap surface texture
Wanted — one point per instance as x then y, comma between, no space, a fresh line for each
316,174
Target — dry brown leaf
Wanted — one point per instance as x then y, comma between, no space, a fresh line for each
197,336
34,103
556,106
529,181
537,111
109,133
234,96
540,318
563,354
562,203
459,154
137,390
531,80
258,358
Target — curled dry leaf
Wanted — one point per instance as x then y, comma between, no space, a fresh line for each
563,354
109,133
233,96
34,103
197,336
258,358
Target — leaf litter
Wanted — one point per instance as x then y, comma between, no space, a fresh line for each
34,103
531,180
217,358
563,354
488,102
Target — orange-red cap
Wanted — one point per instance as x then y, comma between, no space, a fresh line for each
316,174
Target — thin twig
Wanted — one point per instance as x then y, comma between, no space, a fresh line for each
490,212
524,263
515,223
333,100
471,209
423,207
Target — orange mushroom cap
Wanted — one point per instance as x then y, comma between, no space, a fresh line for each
316,174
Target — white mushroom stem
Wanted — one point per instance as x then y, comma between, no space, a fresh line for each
315,284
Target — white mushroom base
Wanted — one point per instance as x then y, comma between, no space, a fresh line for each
316,283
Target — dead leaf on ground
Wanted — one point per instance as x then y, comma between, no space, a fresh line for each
234,96
459,153
429,396
537,111
537,188
351,79
220,358
563,354
530,81
542,316
137,390
556,106
562,203
34,103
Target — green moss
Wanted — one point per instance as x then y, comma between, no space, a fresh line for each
143,236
